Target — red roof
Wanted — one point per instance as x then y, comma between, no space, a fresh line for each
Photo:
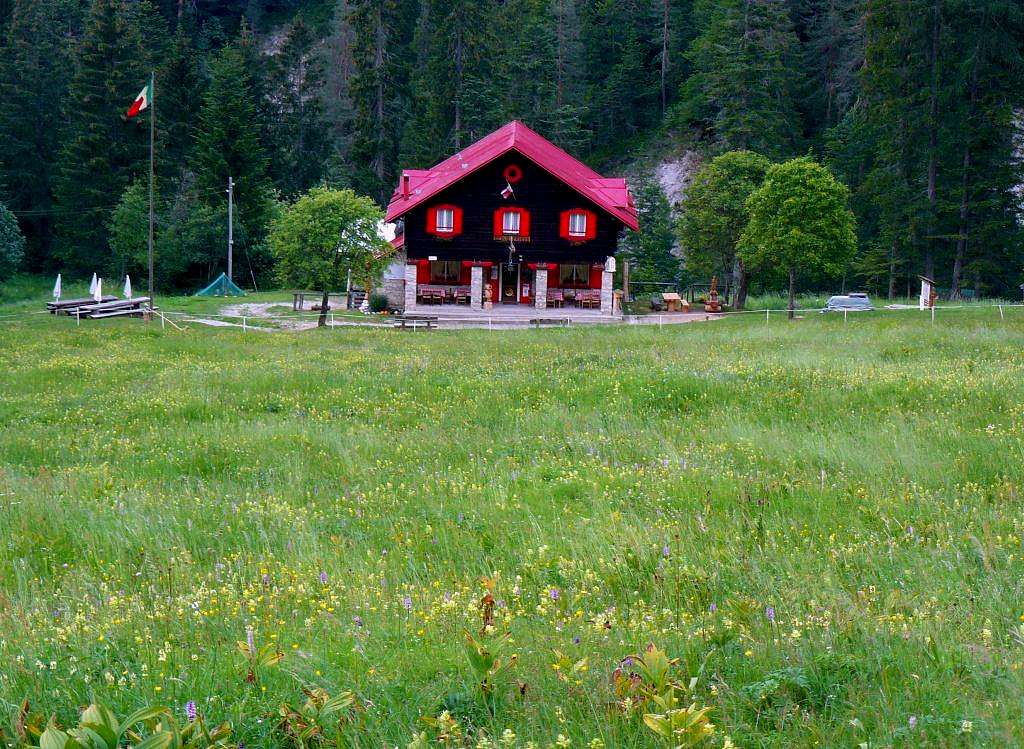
610,193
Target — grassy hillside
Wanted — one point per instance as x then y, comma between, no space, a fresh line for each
822,521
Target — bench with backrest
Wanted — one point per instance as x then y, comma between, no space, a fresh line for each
556,298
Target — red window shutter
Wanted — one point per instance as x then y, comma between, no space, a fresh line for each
595,276
432,220
524,222
591,225
499,226
423,273
456,220
563,225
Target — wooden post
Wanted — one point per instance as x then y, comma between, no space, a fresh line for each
625,284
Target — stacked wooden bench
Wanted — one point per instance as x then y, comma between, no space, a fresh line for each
109,306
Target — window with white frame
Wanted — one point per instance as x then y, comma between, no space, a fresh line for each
577,224
445,220
510,222
574,275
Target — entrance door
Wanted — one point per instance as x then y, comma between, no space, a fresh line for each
509,284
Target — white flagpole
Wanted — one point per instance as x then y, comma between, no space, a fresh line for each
152,170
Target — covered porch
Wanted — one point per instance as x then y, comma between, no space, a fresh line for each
513,289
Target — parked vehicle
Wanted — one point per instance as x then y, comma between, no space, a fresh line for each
856,302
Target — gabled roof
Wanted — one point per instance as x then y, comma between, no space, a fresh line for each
610,193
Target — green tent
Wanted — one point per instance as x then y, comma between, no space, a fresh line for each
222,286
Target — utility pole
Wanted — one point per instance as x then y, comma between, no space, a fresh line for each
231,225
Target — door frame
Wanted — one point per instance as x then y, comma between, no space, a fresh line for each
501,283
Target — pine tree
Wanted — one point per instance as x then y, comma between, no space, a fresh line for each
228,143
379,91
102,150
296,82
34,75
744,61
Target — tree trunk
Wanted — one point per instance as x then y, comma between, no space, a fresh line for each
892,270
740,279
792,293
322,322
965,185
933,144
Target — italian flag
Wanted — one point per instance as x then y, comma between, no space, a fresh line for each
141,101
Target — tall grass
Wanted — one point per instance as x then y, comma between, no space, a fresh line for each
821,519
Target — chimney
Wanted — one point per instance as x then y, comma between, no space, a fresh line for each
405,185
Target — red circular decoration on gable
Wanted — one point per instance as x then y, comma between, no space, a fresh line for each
512,174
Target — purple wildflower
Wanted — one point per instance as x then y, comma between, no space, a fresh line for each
250,639
358,620
665,551
323,577
713,607
554,594
770,613
190,711
407,603
576,640
912,722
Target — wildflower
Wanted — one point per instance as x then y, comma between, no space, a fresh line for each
664,551
323,578
596,744
407,603
713,607
554,594
508,737
770,613
912,722
358,620
563,741
190,711
966,727
250,639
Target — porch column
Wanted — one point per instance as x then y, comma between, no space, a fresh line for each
476,287
410,286
606,292
540,292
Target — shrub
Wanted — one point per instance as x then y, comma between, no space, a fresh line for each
378,302
12,242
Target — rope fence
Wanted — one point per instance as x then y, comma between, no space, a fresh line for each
256,321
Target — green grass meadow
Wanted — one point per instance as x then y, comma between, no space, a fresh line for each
822,521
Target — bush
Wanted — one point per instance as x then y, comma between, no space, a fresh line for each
378,302
12,242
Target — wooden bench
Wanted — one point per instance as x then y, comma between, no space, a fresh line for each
415,322
559,321
67,306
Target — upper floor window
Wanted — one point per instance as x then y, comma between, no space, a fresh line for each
577,224
445,220
512,221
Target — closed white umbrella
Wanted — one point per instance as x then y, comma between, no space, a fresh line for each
56,289
127,287
92,285
97,295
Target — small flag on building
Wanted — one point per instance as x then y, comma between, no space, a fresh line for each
92,285
127,287
508,192
56,289
141,101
